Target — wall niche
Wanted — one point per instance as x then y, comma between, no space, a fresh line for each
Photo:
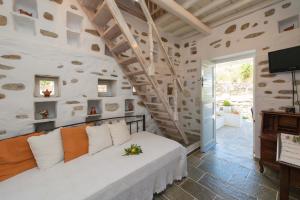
74,22
45,82
24,24
288,24
129,107
44,111
26,8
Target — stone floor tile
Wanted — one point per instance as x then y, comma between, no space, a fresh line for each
223,189
176,193
198,190
195,173
266,194
159,197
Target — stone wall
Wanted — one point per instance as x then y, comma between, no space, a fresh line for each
188,99
47,52
258,33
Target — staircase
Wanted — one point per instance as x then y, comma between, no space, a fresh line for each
112,27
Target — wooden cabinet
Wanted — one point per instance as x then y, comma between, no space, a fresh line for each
272,124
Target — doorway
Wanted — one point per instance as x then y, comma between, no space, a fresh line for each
234,107
227,106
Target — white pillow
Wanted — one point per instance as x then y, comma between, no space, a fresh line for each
47,149
99,138
119,132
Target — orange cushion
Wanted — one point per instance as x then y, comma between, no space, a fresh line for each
15,156
75,142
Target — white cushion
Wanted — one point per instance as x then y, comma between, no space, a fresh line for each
47,149
99,138
119,132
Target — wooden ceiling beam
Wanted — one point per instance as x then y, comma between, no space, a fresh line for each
251,10
178,11
174,25
167,17
225,10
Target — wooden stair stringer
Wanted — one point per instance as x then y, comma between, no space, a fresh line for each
119,19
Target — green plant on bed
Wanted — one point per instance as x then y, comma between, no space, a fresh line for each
134,149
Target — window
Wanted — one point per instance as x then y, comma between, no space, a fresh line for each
46,83
106,88
102,88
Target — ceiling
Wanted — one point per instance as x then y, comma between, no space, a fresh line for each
212,13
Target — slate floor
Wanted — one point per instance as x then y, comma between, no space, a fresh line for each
226,172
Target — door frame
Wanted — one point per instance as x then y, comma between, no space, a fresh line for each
208,146
239,56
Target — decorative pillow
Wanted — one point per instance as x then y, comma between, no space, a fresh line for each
99,138
47,149
75,142
15,156
119,132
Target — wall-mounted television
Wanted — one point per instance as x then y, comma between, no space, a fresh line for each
284,60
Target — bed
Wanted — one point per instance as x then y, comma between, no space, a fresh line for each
107,175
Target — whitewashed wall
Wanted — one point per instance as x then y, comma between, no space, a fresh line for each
24,56
257,32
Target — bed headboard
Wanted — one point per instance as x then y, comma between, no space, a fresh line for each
134,119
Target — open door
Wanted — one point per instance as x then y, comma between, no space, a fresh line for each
208,130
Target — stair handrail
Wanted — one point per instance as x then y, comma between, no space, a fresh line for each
155,30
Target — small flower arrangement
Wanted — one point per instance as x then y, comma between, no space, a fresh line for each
134,149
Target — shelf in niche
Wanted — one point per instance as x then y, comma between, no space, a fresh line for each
97,105
74,22
24,24
44,126
73,38
50,106
288,24
29,6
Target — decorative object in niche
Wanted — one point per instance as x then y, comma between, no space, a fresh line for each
288,24
93,111
24,12
44,114
45,110
3,20
47,93
94,107
48,33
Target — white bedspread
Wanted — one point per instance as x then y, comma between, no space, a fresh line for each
106,175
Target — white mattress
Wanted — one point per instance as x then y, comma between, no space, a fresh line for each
106,175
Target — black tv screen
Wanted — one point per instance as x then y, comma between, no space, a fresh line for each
284,60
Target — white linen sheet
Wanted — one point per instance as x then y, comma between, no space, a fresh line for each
106,175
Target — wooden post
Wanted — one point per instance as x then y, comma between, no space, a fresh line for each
151,69
144,122
175,96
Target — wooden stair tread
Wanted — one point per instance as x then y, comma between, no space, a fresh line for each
103,15
140,83
164,120
159,112
120,47
168,127
153,104
112,32
135,73
127,61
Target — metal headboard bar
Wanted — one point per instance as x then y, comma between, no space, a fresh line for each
143,120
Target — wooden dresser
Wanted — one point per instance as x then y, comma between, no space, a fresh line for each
273,123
